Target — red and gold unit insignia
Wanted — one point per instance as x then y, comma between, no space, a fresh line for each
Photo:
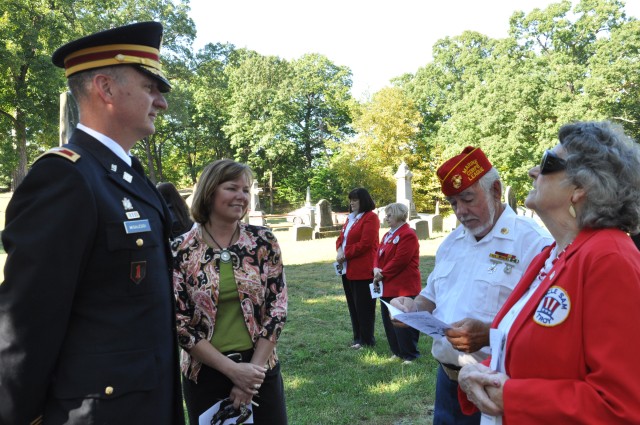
138,271
456,181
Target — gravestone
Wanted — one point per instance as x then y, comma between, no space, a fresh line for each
403,189
307,202
302,233
510,198
69,116
256,216
324,219
323,214
450,222
421,227
435,223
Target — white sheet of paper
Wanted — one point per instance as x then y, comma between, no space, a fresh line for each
374,293
338,268
490,420
205,418
423,321
496,339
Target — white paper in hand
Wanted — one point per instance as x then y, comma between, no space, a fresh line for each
338,268
423,321
224,414
376,289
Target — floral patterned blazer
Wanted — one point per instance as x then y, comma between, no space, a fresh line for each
259,275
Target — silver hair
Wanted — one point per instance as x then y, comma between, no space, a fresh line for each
604,162
486,181
398,211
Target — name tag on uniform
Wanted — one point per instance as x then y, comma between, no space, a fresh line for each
137,226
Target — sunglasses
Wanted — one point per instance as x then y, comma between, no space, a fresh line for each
551,163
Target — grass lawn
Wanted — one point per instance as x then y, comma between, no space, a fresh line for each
326,382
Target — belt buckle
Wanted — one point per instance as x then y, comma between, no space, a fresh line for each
236,357
452,374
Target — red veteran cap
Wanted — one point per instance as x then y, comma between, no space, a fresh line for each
462,171
137,45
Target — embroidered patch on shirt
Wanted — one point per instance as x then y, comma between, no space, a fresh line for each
554,307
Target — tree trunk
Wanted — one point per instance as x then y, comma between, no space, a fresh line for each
21,141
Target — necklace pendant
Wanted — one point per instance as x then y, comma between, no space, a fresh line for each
225,256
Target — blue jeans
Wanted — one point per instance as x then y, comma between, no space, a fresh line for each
447,409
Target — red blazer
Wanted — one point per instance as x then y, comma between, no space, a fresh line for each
399,260
362,246
578,364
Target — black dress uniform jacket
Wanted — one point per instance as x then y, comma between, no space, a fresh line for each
87,323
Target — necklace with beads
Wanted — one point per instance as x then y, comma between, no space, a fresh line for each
225,255
549,265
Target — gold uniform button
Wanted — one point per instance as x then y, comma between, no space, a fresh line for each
108,390
120,57
139,242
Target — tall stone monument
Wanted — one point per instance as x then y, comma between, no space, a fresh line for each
69,116
310,209
256,216
404,194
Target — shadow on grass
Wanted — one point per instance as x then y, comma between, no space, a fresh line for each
326,382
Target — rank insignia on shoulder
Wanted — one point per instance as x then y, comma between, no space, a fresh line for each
61,151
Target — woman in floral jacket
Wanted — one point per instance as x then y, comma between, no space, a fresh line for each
231,301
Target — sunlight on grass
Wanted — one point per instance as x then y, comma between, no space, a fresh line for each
324,300
395,385
296,382
328,383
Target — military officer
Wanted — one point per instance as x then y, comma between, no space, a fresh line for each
87,323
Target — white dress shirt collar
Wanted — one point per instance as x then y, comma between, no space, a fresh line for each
108,142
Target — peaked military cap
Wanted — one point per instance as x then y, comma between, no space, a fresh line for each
136,45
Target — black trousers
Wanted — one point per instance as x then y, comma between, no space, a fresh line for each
214,386
402,341
362,310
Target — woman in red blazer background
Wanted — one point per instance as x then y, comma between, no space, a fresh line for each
569,330
356,248
397,267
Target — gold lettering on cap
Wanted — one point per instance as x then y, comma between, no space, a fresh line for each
472,169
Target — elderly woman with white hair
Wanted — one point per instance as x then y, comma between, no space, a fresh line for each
568,336
397,267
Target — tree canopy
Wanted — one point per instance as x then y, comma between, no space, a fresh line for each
296,123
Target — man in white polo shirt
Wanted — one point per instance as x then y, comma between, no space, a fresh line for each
477,266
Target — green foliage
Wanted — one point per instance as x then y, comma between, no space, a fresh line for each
296,123
510,96
29,83
387,126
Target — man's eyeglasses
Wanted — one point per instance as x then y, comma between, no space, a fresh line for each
551,163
